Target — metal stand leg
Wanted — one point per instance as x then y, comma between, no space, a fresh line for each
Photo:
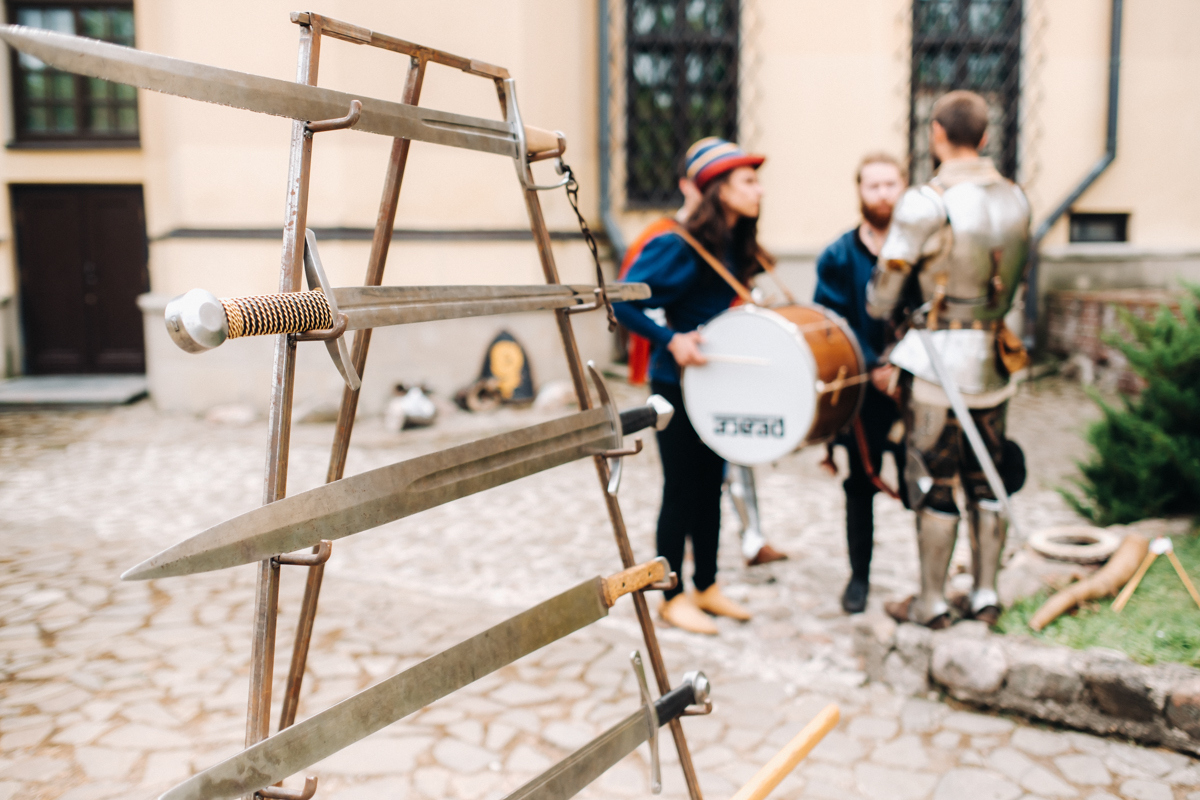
541,238
266,598
382,239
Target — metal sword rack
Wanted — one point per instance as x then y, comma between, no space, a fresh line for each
313,28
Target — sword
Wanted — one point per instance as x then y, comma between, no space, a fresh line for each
569,776
337,727
373,498
198,321
950,386
280,98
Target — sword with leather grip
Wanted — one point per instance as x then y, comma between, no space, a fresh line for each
119,64
369,499
320,736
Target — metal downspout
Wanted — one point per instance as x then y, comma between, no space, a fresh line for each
607,218
1110,153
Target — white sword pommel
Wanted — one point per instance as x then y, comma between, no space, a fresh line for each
196,321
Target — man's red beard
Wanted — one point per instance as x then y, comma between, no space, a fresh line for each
878,215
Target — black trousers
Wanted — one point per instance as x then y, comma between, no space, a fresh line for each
691,502
879,413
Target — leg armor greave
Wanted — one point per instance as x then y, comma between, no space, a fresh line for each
989,530
745,501
936,532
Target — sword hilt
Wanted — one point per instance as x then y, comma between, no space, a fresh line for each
692,691
198,321
656,413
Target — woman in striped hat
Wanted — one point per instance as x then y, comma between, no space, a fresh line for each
690,292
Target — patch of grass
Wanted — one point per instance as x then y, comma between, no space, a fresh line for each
1161,622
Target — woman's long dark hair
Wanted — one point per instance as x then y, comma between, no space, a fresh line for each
707,224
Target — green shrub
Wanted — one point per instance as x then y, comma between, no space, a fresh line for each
1147,449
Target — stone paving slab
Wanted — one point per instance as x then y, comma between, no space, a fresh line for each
111,689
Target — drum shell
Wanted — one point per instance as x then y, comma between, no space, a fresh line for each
834,347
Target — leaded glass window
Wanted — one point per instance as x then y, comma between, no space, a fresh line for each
53,106
682,85
966,44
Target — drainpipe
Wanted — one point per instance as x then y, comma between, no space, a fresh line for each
607,218
1110,153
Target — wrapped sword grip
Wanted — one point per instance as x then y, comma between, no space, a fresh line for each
267,314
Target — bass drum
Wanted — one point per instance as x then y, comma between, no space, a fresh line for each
776,380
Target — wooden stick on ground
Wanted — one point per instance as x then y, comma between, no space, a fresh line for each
1183,576
1106,581
1123,598
792,754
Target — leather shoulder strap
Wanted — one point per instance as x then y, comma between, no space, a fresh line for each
716,264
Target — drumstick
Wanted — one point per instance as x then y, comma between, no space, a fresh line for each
722,358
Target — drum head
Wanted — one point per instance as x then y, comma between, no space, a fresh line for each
754,401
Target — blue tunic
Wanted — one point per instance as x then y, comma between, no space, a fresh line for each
843,272
683,286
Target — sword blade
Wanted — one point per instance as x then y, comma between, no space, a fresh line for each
339,726
373,498
574,773
227,87
380,306
950,387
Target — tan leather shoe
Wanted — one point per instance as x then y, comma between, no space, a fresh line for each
680,612
712,601
765,555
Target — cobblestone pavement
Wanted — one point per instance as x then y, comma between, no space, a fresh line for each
122,690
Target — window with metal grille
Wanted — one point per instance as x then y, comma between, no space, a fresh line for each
681,85
966,44
52,107
1099,227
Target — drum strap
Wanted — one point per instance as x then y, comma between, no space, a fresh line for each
716,264
727,276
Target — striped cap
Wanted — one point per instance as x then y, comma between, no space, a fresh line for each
713,156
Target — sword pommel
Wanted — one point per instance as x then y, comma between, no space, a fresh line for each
196,321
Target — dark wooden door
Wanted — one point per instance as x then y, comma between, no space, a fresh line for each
81,259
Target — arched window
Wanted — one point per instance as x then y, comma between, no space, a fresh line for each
966,44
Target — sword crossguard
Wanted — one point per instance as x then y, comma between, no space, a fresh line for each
635,659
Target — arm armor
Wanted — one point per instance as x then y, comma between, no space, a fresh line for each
919,215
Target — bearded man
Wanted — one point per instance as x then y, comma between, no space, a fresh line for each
843,271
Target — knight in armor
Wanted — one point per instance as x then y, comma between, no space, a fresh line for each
962,240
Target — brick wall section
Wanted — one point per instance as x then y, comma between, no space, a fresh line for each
1078,321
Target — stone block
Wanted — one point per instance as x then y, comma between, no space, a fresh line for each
976,784
1120,688
1146,790
1043,674
1183,708
971,669
903,676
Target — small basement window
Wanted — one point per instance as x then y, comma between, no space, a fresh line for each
1099,227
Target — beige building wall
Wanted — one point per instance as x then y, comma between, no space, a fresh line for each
825,83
